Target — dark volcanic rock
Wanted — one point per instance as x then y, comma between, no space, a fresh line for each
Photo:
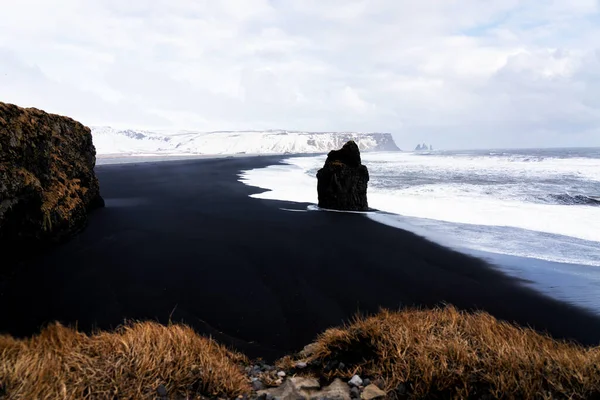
342,182
47,180
162,390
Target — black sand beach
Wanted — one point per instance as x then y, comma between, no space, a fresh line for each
182,241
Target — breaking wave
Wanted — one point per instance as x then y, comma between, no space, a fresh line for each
567,199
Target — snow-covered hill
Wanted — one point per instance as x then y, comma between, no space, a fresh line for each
117,141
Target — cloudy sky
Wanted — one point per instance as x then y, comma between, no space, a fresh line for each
458,74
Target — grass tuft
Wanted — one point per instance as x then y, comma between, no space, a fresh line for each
447,353
61,363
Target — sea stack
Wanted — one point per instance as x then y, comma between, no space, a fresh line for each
47,179
342,182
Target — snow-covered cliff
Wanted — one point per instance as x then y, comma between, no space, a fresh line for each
125,141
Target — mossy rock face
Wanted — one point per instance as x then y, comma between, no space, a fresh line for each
47,179
342,182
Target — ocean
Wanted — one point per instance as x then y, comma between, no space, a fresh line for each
533,213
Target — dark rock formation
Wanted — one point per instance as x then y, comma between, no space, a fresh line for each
47,180
342,182
423,147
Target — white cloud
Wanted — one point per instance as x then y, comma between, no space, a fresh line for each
457,74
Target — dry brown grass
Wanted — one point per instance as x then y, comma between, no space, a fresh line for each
441,353
450,354
61,363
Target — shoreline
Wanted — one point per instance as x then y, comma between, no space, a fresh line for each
182,241
126,158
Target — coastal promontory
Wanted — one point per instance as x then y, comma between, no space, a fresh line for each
47,180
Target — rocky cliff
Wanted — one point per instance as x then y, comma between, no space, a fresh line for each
47,180
342,182
114,141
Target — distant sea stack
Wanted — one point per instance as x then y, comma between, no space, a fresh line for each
342,182
423,147
47,179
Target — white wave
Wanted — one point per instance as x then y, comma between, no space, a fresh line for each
499,202
287,182
574,221
481,167
498,240
546,231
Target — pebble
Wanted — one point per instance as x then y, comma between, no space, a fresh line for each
304,383
355,392
331,365
401,389
281,374
309,349
337,390
161,390
301,365
341,366
366,382
257,385
355,381
372,392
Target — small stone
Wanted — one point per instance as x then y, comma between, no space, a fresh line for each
303,383
309,349
331,365
287,391
161,390
355,381
379,383
401,389
266,367
372,392
341,366
355,392
301,365
257,385
366,382
338,390
281,374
